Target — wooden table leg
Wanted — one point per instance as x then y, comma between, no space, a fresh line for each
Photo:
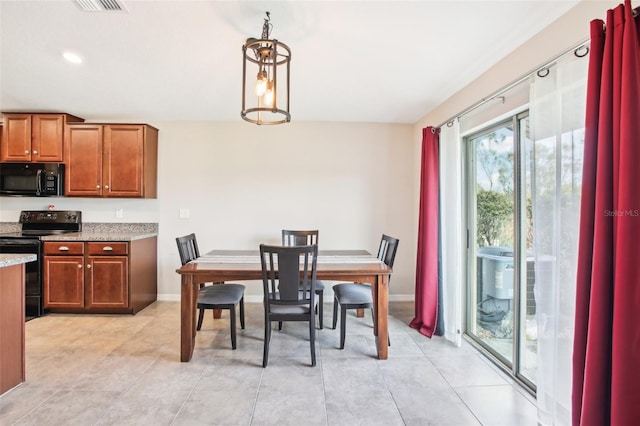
188,301
374,297
380,292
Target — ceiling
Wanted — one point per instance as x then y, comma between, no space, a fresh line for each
356,61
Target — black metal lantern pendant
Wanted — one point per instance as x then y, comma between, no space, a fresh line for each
265,99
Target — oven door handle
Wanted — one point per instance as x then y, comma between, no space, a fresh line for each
17,242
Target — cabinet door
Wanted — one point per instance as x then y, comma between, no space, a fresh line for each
83,149
63,278
12,310
107,284
16,138
123,172
47,132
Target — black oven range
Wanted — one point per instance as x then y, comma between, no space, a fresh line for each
36,224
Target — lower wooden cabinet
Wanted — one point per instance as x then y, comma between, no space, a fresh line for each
107,276
12,343
63,275
100,276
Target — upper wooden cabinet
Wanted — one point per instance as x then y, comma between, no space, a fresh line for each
34,137
111,160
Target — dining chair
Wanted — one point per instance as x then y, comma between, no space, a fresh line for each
216,296
306,238
358,295
284,271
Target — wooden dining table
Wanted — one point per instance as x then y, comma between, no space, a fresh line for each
221,266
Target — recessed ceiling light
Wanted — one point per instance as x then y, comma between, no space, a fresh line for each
74,58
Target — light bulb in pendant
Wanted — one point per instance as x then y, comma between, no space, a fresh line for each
261,83
268,94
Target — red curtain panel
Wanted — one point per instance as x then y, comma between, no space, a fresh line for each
426,294
606,355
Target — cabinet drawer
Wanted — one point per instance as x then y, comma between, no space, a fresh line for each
107,248
63,247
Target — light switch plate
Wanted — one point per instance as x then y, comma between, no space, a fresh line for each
184,214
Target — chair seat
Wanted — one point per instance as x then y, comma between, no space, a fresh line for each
353,294
289,309
319,286
220,294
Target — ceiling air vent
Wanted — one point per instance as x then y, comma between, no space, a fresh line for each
100,5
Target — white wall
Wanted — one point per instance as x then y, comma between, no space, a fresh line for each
569,30
243,183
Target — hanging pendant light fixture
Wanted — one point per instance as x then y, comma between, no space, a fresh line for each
265,100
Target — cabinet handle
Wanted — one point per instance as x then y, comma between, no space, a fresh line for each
27,152
106,187
88,266
107,248
79,266
35,152
97,186
63,248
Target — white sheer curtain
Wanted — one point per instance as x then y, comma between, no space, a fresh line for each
451,229
557,111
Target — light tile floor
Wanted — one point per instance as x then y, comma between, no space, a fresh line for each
125,370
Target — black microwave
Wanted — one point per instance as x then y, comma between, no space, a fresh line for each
32,179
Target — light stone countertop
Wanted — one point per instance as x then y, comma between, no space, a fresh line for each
98,232
9,259
100,236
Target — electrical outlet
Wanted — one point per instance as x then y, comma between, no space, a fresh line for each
184,214
119,213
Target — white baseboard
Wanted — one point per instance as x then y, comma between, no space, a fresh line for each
401,298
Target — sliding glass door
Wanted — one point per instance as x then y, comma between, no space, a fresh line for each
501,306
